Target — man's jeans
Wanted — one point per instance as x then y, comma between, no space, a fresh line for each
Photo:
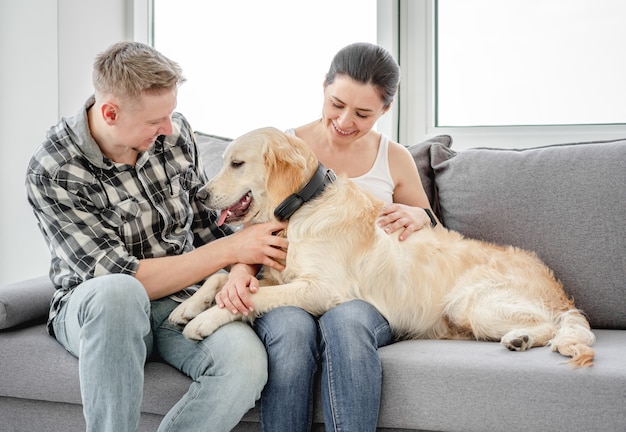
345,340
109,323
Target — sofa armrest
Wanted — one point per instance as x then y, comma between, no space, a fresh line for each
25,301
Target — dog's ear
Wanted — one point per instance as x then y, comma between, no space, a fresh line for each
289,163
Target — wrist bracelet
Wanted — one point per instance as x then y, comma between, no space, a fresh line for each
433,221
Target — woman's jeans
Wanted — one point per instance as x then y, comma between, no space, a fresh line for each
111,326
345,340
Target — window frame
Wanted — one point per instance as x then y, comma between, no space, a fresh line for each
417,96
142,18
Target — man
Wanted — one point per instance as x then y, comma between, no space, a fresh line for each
114,192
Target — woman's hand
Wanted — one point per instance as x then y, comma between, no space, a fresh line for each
251,247
235,295
394,217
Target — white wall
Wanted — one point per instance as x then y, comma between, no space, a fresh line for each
86,28
47,48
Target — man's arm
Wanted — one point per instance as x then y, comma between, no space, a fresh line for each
90,248
251,245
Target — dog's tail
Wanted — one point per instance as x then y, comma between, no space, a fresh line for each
574,338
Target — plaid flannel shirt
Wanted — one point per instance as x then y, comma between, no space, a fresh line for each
100,217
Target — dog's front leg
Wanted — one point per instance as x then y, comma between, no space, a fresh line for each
199,301
265,299
208,321
301,293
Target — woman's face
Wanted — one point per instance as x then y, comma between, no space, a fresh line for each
350,108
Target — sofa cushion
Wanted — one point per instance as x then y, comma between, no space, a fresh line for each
489,387
565,202
24,301
43,370
421,156
460,385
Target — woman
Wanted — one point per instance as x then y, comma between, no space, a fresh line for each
359,89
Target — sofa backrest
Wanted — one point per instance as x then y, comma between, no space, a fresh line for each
565,202
211,149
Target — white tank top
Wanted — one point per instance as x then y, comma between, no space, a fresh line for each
377,180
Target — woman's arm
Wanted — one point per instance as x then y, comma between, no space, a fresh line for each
409,198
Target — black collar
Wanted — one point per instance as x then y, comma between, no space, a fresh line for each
323,176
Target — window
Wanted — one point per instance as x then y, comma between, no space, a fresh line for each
436,96
251,63
530,62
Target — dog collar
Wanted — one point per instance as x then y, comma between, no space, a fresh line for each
323,176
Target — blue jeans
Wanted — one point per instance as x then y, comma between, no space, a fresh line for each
112,327
344,341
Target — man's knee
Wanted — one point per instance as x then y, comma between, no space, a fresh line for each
117,289
234,350
115,298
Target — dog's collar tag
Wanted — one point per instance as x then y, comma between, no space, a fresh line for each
323,176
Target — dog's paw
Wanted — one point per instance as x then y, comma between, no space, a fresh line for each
206,323
186,311
517,341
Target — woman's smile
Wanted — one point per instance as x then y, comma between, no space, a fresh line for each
341,131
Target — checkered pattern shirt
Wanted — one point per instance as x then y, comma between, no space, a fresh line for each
100,217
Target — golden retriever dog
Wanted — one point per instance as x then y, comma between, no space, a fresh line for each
435,284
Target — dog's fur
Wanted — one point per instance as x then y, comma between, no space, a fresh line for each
435,284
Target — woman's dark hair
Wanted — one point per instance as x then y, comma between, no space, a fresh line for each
367,64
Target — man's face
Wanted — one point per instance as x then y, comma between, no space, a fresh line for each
140,122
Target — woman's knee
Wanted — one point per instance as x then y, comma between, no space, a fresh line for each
356,320
291,338
289,328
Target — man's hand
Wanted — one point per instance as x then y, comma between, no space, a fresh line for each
258,244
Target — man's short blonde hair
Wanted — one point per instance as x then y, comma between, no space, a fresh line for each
128,69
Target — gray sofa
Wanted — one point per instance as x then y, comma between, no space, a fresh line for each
566,202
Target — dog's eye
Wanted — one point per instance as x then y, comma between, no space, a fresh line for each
236,164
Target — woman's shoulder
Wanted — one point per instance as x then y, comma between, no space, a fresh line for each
394,149
393,146
304,130
399,156
309,133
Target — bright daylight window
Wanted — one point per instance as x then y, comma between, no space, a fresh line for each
251,63
530,62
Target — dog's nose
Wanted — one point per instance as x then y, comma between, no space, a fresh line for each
203,194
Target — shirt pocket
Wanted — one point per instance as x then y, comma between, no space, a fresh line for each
179,207
121,213
186,183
